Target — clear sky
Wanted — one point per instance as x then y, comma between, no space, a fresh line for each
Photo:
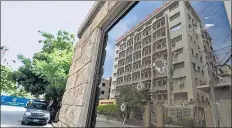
20,21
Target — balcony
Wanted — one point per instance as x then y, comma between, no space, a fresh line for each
224,82
179,102
160,88
157,74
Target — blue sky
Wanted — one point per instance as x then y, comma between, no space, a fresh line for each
218,32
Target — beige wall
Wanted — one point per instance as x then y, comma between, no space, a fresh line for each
228,10
105,88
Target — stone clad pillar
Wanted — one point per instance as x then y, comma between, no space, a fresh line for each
208,116
147,115
79,99
77,96
160,115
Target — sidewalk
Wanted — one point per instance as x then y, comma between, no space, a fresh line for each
114,122
54,124
102,121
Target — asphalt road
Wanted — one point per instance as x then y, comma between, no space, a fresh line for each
11,116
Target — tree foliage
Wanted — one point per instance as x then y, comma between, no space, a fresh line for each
47,72
133,99
8,84
31,82
108,110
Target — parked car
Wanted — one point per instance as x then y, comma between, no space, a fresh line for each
36,112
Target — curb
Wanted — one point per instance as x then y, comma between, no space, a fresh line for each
114,122
54,124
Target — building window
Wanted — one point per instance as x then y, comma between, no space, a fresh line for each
173,6
178,65
195,42
102,92
194,66
176,39
191,38
103,84
117,52
129,50
147,31
196,36
189,17
196,81
162,22
192,52
146,40
138,37
162,32
202,72
181,96
205,48
189,26
199,69
137,46
196,55
201,59
130,42
176,27
116,58
114,74
173,17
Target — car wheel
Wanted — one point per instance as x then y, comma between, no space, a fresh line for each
22,122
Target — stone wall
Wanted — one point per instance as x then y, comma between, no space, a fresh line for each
80,90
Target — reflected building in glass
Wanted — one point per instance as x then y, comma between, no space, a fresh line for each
142,55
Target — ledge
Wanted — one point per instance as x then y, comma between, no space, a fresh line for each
90,16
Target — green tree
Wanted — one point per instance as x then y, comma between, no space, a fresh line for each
48,70
7,84
25,77
134,100
53,62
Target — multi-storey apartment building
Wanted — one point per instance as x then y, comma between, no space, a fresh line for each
174,27
105,88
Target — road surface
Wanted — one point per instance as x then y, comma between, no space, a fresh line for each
11,116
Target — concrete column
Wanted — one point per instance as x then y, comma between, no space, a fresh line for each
162,98
227,5
147,116
208,116
160,115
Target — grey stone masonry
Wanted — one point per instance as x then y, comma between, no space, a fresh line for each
77,101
